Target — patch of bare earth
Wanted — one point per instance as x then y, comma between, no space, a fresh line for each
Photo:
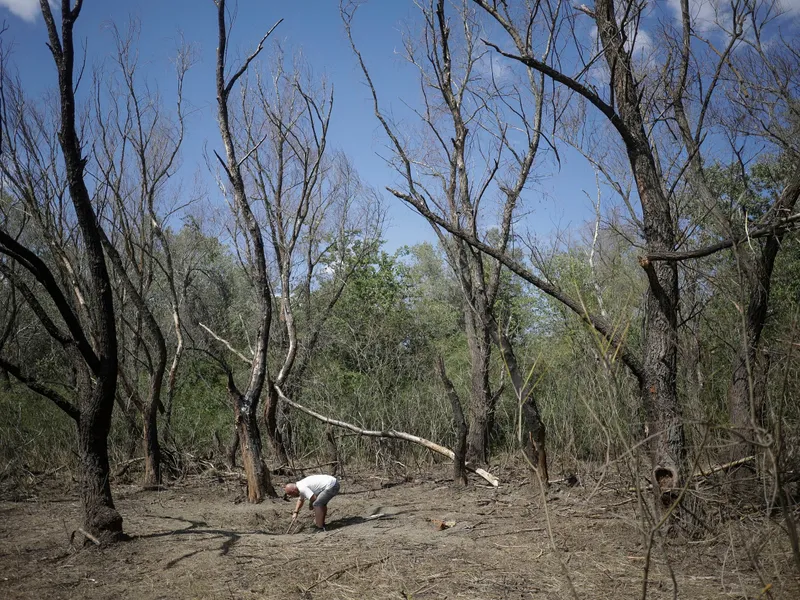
198,540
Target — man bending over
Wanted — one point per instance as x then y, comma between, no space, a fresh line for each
318,490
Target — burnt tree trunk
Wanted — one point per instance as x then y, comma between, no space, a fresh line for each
152,448
246,404
101,518
150,408
258,479
460,447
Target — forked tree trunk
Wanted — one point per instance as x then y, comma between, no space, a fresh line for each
246,405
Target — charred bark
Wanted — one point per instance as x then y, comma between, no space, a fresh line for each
152,449
101,518
258,479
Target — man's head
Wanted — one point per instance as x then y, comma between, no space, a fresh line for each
290,489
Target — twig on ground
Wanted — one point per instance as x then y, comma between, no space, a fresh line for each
89,536
340,572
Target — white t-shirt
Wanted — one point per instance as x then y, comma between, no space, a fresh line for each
314,485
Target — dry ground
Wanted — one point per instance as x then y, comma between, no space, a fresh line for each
197,539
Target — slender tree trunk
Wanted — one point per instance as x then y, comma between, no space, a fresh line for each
742,406
271,423
480,393
533,439
741,400
532,432
233,448
172,379
334,455
460,447
152,449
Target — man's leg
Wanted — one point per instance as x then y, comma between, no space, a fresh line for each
319,515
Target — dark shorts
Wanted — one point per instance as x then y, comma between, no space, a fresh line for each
325,496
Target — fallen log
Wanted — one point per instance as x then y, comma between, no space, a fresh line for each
388,433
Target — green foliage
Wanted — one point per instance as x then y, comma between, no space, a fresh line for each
375,356
34,434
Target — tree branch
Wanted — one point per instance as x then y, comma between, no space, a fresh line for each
43,390
388,433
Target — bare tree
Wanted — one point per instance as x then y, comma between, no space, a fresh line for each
246,402
286,125
468,118
71,294
136,149
638,102
766,106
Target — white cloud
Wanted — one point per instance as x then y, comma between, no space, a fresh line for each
24,9
704,14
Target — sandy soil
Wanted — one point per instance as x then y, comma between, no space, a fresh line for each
197,539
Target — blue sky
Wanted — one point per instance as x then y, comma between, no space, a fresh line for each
559,199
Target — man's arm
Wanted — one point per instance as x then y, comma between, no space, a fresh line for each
298,506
